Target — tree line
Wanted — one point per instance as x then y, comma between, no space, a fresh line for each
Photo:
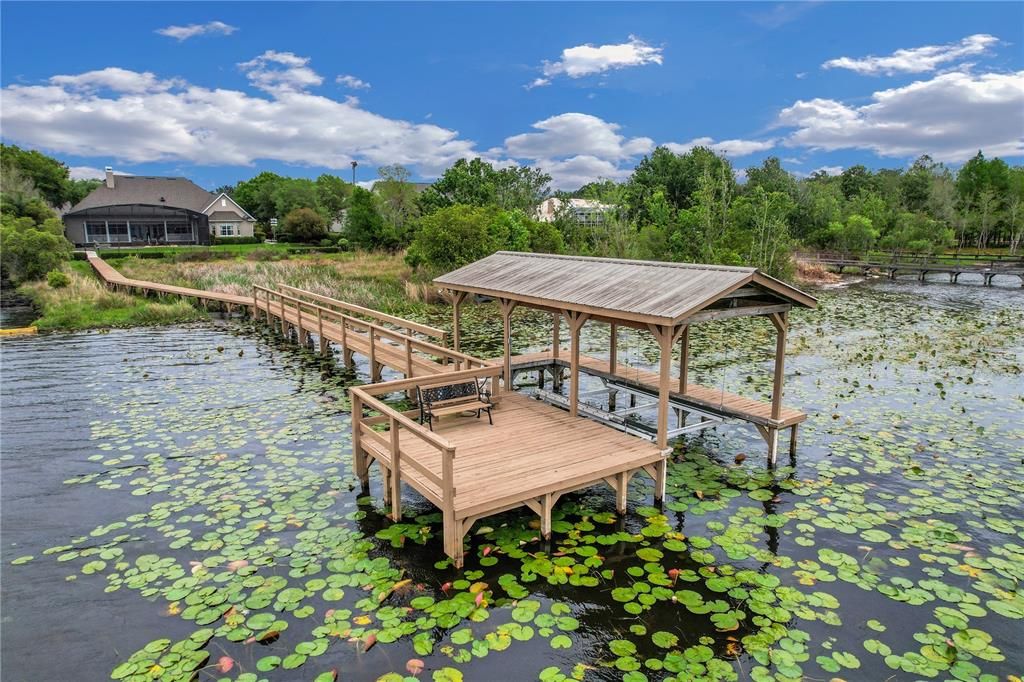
685,207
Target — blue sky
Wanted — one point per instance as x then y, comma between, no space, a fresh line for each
221,91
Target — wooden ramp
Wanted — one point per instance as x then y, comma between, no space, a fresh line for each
532,455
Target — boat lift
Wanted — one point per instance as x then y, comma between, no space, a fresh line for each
640,400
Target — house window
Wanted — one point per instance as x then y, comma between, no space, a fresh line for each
226,230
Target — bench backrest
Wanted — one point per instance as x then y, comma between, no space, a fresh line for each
434,394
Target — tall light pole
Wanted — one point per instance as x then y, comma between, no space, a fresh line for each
354,164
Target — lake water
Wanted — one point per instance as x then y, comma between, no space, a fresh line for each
181,499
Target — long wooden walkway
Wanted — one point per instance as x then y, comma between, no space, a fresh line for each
111,277
921,269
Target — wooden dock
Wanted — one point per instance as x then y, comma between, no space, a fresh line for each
532,455
534,452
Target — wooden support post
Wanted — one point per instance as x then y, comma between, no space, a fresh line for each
507,306
546,503
576,321
555,329
303,334
771,437
459,296
452,528
661,479
792,440
396,472
613,349
781,322
684,359
664,337
621,491
284,321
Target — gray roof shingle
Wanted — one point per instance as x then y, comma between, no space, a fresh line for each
153,191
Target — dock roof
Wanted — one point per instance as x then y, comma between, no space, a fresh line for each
640,291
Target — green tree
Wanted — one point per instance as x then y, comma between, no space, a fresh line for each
302,225
396,199
453,236
365,226
771,177
256,196
677,175
856,236
293,193
520,188
761,219
855,180
470,183
48,175
332,194
30,249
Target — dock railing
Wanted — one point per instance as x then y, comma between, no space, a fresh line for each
367,438
407,326
377,337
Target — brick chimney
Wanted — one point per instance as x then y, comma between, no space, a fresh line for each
110,177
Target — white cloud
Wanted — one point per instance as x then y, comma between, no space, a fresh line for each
917,59
574,172
950,117
116,79
574,134
352,82
137,118
827,170
86,173
724,147
280,72
586,60
192,30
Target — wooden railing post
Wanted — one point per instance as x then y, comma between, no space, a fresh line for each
320,330
373,352
396,471
452,535
358,457
284,321
408,358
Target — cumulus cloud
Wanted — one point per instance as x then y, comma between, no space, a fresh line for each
115,79
724,147
586,60
916,59
352,82
137,118
279,72
181,33
575,149
573,134
951,117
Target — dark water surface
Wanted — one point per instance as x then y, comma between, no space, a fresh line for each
188,489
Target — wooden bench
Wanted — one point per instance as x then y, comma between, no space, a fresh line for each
439,400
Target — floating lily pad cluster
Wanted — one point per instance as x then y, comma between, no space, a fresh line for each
893,545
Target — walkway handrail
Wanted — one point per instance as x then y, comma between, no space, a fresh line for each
360,310
397,422
487,371
373,330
